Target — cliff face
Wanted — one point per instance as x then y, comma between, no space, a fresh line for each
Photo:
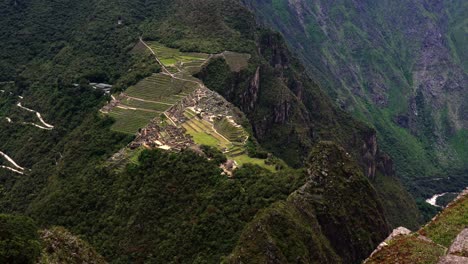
399,65
335,217
288,111
289,114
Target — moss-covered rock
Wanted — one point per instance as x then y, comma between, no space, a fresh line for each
60,246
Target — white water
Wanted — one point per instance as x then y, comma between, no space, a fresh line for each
433,199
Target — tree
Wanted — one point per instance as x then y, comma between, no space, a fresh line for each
19,240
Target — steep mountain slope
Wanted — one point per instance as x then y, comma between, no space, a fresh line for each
165,206
21,242
443,240
398,65
316,224
290,114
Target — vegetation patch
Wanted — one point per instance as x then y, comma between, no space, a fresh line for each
408,250
129,121
60,246
19,241
236,61
171,57
449,223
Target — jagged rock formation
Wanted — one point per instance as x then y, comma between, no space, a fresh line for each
320,222
60,246
460,244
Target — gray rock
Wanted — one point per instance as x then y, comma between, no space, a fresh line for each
453,259
460,245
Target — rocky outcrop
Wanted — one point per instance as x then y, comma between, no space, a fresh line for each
453,259
60,246
444,240
460,244
335,217
250,96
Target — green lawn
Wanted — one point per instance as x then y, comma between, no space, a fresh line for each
203,134
168,61
244,159
169,56
200,137
236,61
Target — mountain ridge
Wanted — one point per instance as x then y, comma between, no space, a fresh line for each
397,66
177,206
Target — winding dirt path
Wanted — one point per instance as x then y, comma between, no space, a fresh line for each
137,109
156,57
11,169
49,126
11,161
148,101
36,125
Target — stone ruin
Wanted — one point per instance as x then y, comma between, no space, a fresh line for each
165,136
207,104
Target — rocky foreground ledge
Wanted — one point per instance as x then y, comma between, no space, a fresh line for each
444,240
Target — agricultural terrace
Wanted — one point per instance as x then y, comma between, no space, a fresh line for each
176,61
223,135
154,95
236,61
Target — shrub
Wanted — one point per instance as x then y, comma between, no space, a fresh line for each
19,240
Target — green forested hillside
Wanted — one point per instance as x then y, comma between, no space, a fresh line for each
399,66
164,207
323,209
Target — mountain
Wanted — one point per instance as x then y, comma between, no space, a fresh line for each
314,224
167,131
399,66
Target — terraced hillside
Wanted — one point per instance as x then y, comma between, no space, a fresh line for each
222,133
152,96
163,107
175,61
233,132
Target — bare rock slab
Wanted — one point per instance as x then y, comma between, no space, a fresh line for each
460,244
453,259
